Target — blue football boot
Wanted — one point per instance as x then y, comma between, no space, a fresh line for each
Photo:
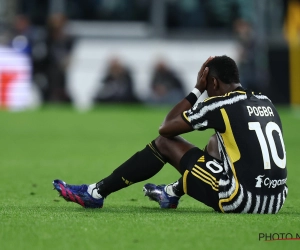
158,194
77,194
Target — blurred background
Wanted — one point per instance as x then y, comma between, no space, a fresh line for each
89,52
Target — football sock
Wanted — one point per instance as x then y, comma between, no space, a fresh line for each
93,191
141,166
169,190
177,188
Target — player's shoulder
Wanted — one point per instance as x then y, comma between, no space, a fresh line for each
260,96
236,95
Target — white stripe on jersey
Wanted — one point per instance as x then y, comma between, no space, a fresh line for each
223,153
203,124
262,97
214,106
257,204
271,204
223,182
227,168
285,191
264,204
249,202
225,165
235,204
228,182
227,194
278,206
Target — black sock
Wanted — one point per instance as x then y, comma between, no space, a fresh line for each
141,166
178,187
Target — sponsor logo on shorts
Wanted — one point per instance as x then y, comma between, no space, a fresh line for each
267,182
259,181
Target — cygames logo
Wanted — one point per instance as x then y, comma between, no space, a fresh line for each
268,182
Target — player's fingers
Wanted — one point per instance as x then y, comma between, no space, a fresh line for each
203,81
208,59
204,64
205,72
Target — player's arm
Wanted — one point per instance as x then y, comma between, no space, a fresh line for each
174,124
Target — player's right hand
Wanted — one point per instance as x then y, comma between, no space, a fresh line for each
202,75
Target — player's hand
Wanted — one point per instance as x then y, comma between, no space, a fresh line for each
202,74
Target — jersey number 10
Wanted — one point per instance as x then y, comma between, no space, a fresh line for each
270,127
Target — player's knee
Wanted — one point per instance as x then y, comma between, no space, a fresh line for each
161,143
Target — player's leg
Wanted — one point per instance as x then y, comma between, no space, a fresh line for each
168,195
141,166
145,164
173,149
200,174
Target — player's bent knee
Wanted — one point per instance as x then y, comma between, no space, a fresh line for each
173,146
162,143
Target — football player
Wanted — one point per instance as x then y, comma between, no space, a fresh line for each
241,170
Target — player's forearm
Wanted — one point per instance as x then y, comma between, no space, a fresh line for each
173,123
177,111
184,105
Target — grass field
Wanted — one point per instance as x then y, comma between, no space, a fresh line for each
57,142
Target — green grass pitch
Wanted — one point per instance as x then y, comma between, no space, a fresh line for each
58,142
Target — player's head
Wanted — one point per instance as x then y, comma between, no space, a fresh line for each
223,75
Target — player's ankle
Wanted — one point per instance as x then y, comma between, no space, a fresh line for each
169,190
177,188
93,191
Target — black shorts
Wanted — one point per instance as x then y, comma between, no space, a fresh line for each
205,179
201,174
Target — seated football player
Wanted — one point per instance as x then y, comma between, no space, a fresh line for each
241,170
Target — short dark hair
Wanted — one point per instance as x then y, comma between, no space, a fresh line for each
224,68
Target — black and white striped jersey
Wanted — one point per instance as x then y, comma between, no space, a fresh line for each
251,146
